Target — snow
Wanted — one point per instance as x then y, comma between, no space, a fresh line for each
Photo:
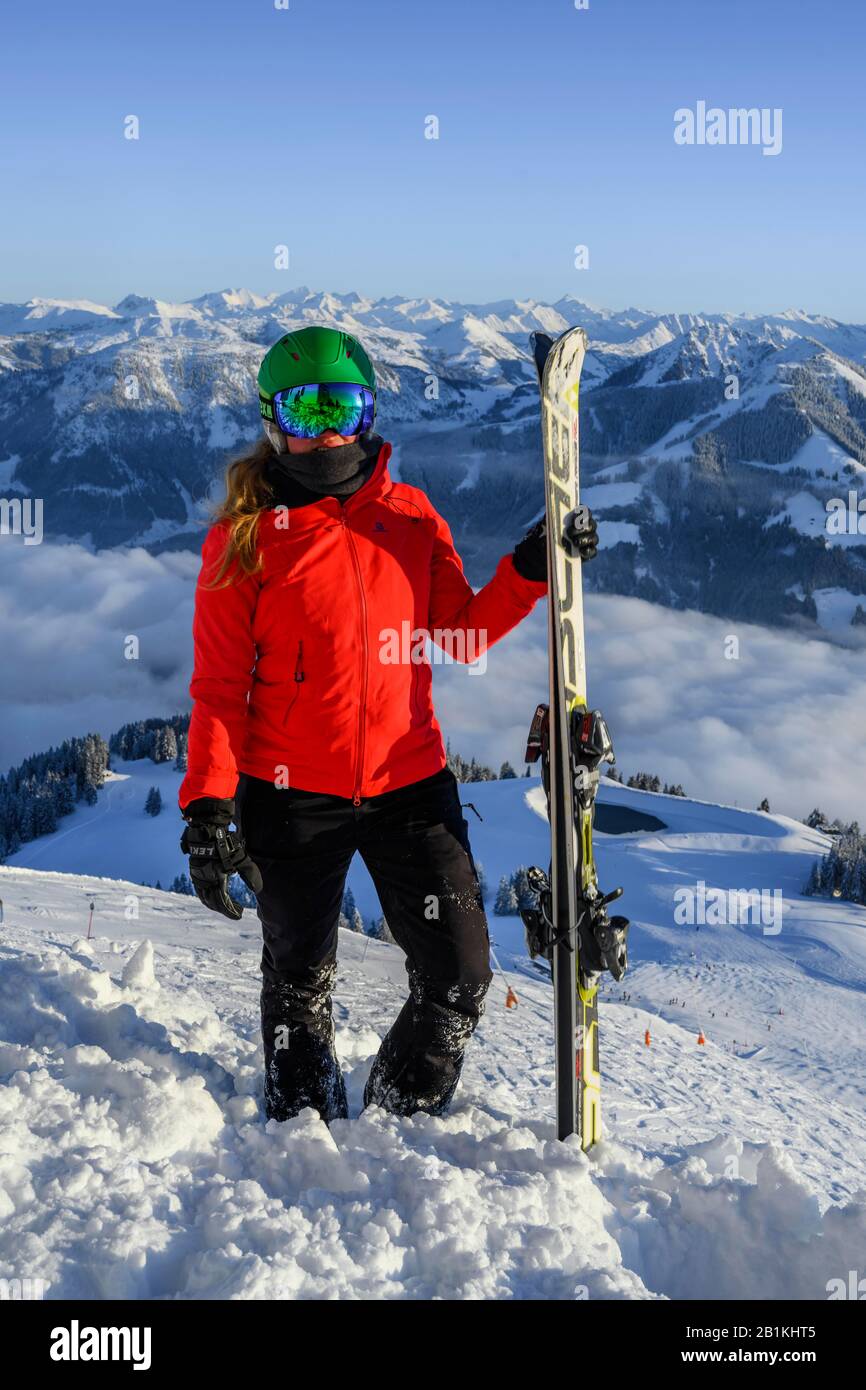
677,442
850,375
224,432
478,337
820,455
136,1162
473,472
138,973
8,467
836,607
617,533
615,493
809,515
37,315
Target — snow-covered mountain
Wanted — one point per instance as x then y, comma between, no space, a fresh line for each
712,441
137,1165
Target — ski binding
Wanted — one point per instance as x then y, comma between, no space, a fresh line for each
602,940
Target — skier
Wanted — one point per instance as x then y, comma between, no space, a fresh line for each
317,741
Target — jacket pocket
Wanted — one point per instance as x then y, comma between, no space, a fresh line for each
419,694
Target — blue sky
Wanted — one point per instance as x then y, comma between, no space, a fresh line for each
306,127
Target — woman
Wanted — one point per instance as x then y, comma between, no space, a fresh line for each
317,742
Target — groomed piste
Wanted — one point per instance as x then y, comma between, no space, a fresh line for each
135,1162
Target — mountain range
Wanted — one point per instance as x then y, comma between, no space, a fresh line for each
711,443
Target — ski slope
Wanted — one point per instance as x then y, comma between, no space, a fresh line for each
135,1162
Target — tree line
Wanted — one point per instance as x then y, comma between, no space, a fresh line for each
43,788
350,915
841,873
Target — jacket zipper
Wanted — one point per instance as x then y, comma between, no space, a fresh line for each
299,679
362,708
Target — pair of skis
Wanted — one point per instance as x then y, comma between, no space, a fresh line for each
570,927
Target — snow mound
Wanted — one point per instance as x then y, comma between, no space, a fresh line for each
137,1163
138,973
730,1221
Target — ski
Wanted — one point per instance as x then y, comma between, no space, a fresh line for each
570,927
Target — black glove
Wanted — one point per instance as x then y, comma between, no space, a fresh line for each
530,554
215,853
581,529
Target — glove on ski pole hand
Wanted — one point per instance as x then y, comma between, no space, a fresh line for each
580,531
215,853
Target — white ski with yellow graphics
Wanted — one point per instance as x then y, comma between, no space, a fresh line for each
570,927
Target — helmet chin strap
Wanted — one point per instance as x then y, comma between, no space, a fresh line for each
277,438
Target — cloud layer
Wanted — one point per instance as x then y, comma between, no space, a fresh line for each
785,719
65,617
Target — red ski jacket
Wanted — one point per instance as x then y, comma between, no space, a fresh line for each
313,672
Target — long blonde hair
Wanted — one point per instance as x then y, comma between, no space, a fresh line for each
248,494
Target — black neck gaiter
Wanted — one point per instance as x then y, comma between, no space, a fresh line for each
297,479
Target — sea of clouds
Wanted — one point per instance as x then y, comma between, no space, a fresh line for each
782,719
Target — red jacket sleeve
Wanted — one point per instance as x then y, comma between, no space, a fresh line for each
464,623
225,655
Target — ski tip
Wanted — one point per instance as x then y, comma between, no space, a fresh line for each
541,343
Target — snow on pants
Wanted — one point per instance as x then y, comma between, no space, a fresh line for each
415,844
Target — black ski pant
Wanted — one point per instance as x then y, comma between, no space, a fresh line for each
415,844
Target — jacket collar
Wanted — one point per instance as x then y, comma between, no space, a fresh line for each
378,485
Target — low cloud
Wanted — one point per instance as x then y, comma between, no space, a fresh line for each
65,615
785,720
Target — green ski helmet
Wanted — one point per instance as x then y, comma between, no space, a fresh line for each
312,357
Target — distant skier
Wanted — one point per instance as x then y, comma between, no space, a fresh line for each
313,726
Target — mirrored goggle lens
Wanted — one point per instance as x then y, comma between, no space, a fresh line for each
305,412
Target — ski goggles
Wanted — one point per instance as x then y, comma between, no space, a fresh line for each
305,412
